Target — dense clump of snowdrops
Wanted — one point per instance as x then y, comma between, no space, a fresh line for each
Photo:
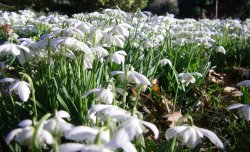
85,64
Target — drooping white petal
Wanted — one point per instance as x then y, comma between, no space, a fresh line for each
14,50
117,72
151,127
105,95
24,48
141,78
163,62
25,123
7,80
129,147
117,58
212,137
81,133
69,54
195,136
91,91
172,132
12,135
21,58
97,108
235,106
87,61
23,91
94,148
118,40
197,73
26,136
122,52
116,141
47,137
50,125
187,137
62,114
244,83
220,49
65,126
14,86
70,147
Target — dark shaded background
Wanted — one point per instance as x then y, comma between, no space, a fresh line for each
181,8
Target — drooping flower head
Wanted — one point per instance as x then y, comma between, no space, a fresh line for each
21,87
190,135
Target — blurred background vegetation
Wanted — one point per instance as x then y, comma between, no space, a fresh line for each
181,8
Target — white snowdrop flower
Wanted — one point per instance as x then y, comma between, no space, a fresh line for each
134,126
95,36
244,110
68,54
13,48
244,83
81,133
187,78
220,49
191,135
70,42
71,31
105,95
118,57
107,38
122,29
100,52
25,135
115,113
26,28
84,26
21,87
58,124
125,143
88,60
75,147
25,123
133,76
118,40
164,61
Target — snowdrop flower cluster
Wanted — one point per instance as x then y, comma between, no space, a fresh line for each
96,37
104,39
130,127
25,134
43,130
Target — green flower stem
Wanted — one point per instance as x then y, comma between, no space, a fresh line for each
98,138
137,99
125,87
172,148
38,129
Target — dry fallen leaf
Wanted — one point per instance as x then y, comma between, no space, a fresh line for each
172,118
7,28
216,77
231,91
